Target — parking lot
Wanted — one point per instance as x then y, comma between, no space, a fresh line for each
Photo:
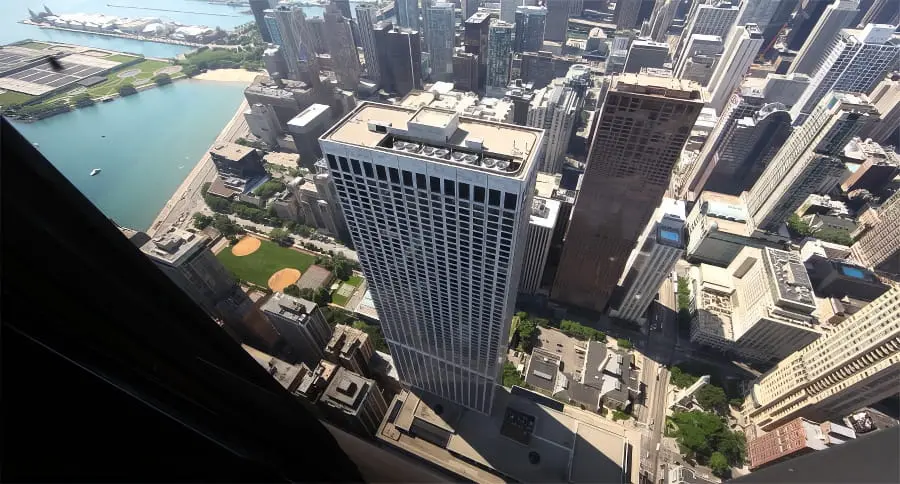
41,78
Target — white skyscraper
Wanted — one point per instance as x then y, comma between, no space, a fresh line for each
808,163
740,48
835,17
541,225
438,207
554,109
499,52
651,261
856,61
707,18
439,37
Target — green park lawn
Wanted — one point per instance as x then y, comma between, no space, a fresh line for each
10,98
120,58
267,260
341,300
34,45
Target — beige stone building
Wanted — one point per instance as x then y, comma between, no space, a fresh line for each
854,365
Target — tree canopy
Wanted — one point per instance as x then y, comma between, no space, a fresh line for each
681,379
624,343
527,331
375,335
711,397
269,188
577,330
511,376
292,290
700,434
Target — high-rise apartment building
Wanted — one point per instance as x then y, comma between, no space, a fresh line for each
808,163
626,14
637,139
258,7
645,54
400,58
557,20
554,109
351,348
761,307
661,19
769,15
855,364
499,53
530,23
475,40
302,326
878,239
294,34
407,13
707,17
740,151
741,47
881,12
437,208
339,40
440,38
366,15
508,8
465,71
855,61
835,17
541,226
793,439
808,14
272,26
699,59
651,261
886,98
186,259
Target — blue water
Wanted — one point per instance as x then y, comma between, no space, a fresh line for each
152,141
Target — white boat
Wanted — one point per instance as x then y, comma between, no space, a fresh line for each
95,171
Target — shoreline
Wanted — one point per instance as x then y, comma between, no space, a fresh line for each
202,172
227,75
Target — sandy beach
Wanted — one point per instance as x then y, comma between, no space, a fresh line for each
228,75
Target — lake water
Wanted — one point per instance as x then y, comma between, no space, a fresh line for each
145,144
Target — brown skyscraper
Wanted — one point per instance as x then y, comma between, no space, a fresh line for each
643,126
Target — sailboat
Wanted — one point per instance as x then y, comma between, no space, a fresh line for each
95,171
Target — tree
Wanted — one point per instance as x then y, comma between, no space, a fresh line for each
836,236
684,293
798,226
322,296
307,293
162,79
226,226
341,268
711,397
269,188
719,464
681,379
190,70
736,402
527,330
700,434
577,330
202,221
375,335
624,344
522,315
511,375
82,100
620,415
217,204
127,89
292,290
281,237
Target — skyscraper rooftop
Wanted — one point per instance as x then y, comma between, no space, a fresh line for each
440,135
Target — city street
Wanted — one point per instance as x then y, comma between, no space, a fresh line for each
188,199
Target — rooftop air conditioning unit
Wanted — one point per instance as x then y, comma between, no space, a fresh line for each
441,153
502,165
470,159
489,163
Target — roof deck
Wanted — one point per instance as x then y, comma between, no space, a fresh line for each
441,136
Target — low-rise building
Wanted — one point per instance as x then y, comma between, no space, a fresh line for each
234,160
871,166
718,229
351,348
302,326
288,375
521,440
315,277
354,401
317,204
793,439
305,129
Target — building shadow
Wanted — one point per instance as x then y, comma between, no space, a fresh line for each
527,438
